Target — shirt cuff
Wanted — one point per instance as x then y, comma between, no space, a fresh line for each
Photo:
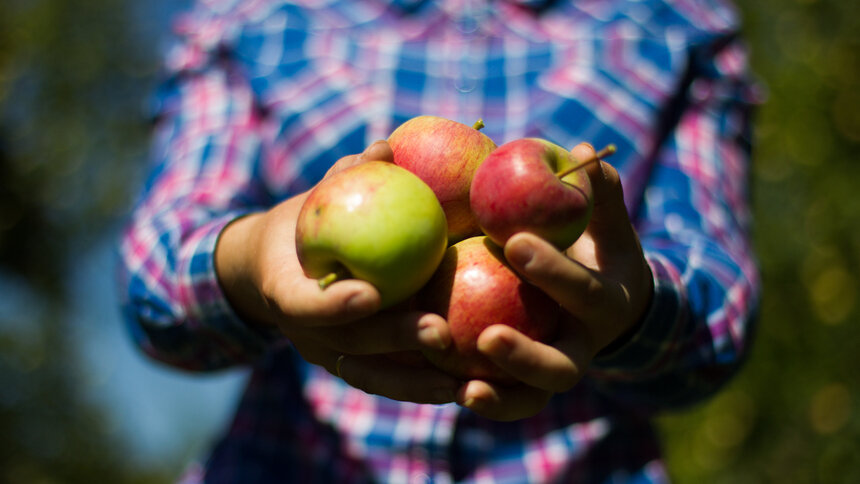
208,309
656,337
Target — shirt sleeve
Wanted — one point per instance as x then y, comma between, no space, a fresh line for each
209,141
694,226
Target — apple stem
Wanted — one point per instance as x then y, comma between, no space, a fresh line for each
478,124
333,277
607,151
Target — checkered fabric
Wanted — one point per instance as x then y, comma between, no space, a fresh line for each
262,96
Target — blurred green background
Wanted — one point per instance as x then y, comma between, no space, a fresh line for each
74,77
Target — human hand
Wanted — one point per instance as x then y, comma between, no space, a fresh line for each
602,282
340,327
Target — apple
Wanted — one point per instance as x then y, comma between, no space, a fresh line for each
445,154
374,221
473,288
533,185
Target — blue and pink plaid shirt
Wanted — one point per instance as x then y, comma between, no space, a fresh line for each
264,95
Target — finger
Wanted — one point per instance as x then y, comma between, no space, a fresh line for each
604,178
610,212
554,369
499,402
376,151
380,375
379,150
578,289
386,332
304,303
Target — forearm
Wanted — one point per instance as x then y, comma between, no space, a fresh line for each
235,268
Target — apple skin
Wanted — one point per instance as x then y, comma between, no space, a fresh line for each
473,288
376,221
516,190
445,154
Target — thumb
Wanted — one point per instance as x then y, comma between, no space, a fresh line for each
377,151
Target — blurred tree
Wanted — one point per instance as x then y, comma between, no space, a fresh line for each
72,79
792,415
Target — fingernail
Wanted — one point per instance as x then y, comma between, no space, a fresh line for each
497,346
520,253
371,146
461,398
467,401
430,335
361,302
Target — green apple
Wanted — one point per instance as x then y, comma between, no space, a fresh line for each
374,221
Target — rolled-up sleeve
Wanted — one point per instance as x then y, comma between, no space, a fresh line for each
209,140
694,226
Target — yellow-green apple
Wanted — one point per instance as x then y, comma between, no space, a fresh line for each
374,221
473,288
445,154
533,185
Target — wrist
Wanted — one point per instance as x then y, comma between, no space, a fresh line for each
235,267
640,350
639,300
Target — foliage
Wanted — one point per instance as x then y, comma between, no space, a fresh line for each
72,76
792,414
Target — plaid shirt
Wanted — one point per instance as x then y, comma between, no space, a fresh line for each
263,96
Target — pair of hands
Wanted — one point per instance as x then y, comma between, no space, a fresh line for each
603,282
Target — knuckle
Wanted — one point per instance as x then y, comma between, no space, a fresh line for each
550,271
563,383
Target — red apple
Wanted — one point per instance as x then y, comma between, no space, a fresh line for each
532,185
473,288
445,154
